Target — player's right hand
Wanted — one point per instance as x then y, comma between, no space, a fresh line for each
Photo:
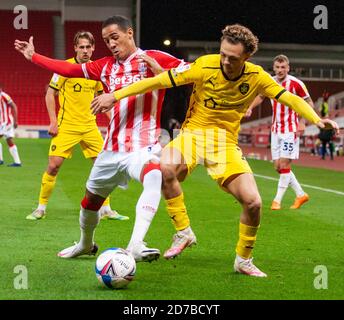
25,48
53,129
328,124
103,103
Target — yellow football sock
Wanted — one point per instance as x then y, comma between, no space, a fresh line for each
47,187
106,202
177,211
247,239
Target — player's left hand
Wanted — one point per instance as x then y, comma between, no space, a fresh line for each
328,124
15,125
152,64
103,103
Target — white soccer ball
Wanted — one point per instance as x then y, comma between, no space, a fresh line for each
115,268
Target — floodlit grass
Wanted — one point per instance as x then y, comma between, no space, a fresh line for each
290,243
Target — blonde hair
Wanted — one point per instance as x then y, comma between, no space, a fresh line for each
83,35
237,33
281,58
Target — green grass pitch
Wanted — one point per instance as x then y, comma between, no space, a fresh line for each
290,245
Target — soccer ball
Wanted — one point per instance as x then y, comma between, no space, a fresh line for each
115,268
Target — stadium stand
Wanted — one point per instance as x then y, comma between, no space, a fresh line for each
26,83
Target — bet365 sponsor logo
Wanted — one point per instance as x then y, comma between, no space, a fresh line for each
126,79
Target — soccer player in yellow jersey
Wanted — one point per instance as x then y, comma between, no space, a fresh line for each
224,87
75,124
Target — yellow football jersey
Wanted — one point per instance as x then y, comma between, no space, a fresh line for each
216,101
75,96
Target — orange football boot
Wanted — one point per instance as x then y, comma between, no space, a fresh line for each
275,205
299,201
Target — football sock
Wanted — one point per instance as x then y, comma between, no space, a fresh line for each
283,184
147,205
106,204
1,155
88,222
42,207
177,211
14,153
247,239
295,185
47,187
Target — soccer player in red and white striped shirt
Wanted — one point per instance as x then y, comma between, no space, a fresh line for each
131,145
285,131
8,122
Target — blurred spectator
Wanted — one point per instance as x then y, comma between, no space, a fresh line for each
326,137
324,110
316,149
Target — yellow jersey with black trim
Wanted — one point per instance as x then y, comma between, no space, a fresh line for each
216,101
75,97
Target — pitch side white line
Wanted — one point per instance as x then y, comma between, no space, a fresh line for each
303,185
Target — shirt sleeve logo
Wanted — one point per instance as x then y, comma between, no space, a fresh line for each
244,88
183,68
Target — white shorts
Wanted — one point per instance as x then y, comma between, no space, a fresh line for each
7,131
112,169
284,145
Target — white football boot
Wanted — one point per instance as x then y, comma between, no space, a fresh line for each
76,250
181,240
141,253
246,266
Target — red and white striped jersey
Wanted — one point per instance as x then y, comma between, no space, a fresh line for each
284,119
135,121
6,117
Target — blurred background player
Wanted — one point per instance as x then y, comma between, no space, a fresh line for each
285,131
225,85
75,124
8,122
131,146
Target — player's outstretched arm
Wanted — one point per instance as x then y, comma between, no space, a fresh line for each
60,67
306,111
105,102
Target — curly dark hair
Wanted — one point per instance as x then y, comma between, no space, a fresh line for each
237,33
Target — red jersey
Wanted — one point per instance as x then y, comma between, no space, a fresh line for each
284,119
6,117
135,121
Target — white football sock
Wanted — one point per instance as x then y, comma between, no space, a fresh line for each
14,153
283,184
295,185
88,222
1,155
146,206
42,207
104,209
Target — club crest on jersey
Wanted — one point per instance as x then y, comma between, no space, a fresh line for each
244,88
142,68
